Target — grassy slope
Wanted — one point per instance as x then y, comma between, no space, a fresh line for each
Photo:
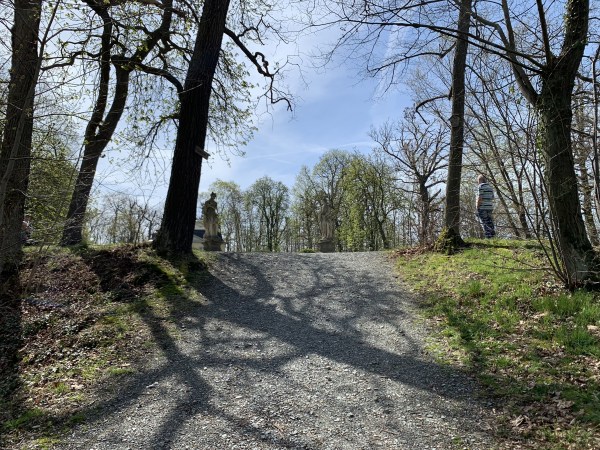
535,346
87,317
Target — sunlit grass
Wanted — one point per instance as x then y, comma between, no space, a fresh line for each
501,314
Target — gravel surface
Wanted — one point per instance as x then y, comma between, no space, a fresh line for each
298,351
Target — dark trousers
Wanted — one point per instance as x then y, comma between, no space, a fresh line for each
487,222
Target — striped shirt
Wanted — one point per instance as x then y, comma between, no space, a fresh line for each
486,193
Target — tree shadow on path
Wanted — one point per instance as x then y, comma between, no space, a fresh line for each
298,329
308,307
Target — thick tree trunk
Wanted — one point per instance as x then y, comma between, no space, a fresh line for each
15,153
384,240
457,132
177,228
554,105
94,147
15,160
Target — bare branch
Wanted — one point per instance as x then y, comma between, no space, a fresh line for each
545,38
262,67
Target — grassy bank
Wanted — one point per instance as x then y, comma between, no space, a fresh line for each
536,347
87,316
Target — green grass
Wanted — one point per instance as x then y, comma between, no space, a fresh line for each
26,419
533,344
46,442
122,300
118,371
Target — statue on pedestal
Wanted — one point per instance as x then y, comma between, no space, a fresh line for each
210,218
327,226
326,221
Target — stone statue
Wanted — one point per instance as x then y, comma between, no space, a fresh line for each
326,221
210,217
326,218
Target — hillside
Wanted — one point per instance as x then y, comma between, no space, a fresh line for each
499,312
85,321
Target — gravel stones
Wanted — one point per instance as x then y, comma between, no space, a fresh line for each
295,351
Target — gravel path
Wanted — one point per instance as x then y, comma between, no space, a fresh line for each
298,351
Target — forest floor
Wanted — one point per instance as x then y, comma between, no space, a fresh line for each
122,349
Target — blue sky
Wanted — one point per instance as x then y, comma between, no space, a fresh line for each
335,109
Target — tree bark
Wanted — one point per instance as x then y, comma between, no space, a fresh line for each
556,115
15,161
176,231
587,204
15,153
554,105
582,153
94,146
457,132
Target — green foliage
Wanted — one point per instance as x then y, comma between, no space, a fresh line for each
578,313
28,417
231,208
568,305
303,209
118,371
530,342
271,200
369,198
51,182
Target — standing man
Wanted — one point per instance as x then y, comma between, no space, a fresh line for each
485,206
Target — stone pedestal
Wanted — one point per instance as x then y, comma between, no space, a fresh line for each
326,246
213,244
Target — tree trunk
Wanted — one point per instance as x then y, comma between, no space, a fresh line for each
384,240
554,105
596,124
523,221
15,153
425,211
95,145
15,160
177,228
582,153
457,133
588,211
588,200
520,205
100,129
